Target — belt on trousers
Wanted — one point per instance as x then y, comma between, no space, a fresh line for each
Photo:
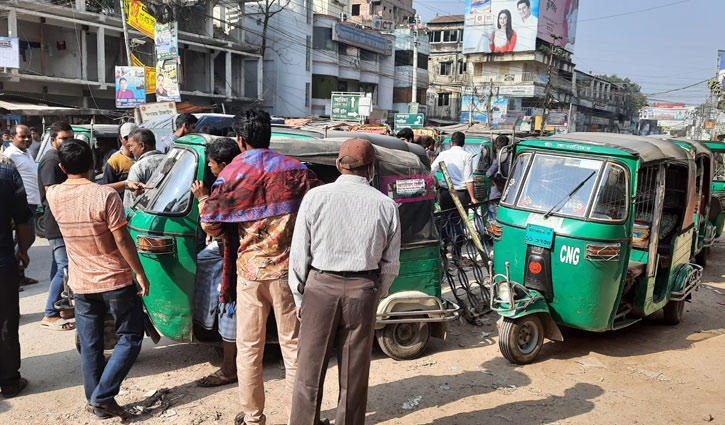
363,273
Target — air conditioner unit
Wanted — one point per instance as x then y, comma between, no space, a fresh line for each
343,16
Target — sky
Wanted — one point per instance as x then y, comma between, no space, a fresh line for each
659,44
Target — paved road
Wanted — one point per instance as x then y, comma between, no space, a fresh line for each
649,373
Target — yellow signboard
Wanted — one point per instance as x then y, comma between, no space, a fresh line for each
150,74
140,19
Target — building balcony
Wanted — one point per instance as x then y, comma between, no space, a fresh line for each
349,67
325,62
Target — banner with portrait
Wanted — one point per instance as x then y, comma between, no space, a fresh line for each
557,22
500,26
130,86
167,81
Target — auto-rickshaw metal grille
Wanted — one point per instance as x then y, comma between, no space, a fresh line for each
463,266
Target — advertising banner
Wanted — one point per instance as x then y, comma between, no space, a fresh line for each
130,86
166,37
557,18
167,81
9,52
558,118
140,19
150,73
500,26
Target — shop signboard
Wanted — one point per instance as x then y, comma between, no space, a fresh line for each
409,120
500,26
362,39
558,118
153,110
130,86
557,22
345,106
381,24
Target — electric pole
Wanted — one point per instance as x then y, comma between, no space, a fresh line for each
136,114
414,99
547,95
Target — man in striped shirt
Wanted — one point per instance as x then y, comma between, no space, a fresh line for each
345,256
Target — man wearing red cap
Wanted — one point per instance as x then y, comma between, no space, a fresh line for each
344,257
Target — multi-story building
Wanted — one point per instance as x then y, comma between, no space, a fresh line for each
411,69
313,51
68,52
396,11
447,68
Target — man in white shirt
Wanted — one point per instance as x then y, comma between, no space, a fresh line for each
20,154
460,167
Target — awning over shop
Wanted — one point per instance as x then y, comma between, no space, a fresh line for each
13,107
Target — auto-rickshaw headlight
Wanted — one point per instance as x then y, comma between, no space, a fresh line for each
155,244
494,229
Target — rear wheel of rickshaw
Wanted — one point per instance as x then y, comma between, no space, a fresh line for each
403,341
673,312
521,339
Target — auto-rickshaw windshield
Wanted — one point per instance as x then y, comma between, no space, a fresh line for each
565,185
171,182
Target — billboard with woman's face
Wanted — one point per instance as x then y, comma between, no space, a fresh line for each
500,26
557,22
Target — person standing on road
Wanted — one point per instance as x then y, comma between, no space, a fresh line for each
345,255
49,173
24,162
15,208
460,167
253,206
498,177
116,169
142,144
35,145
101,258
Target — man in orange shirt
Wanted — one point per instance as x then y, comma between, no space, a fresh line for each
101,256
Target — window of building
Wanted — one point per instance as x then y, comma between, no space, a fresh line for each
323,86
366,55
322,39
403,58
355,10
307,94
462,68
435,37
446,68
422,61
444,99
308,55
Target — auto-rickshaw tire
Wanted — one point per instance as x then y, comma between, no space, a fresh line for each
673,312
508,339
701,257
389,340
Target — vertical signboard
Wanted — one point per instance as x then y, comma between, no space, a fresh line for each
167,81
166,37
140,19
721,68
130,86
150,72
9,52
500,26
557,22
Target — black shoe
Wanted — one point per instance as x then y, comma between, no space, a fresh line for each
12,390
107,410
28,281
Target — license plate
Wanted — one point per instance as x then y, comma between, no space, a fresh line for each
539,235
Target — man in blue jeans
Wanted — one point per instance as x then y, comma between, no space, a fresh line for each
101,257
49,173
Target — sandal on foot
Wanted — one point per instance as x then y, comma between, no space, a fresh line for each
216,379
59,325
109,409
239,419
12,390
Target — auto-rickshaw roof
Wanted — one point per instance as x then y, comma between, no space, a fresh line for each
645,148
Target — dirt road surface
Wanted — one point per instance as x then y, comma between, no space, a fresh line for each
649,373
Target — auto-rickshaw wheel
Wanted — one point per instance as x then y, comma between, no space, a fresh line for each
673,312
520,340
403,341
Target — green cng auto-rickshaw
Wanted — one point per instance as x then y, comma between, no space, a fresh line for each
595,232
718,186
165,224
